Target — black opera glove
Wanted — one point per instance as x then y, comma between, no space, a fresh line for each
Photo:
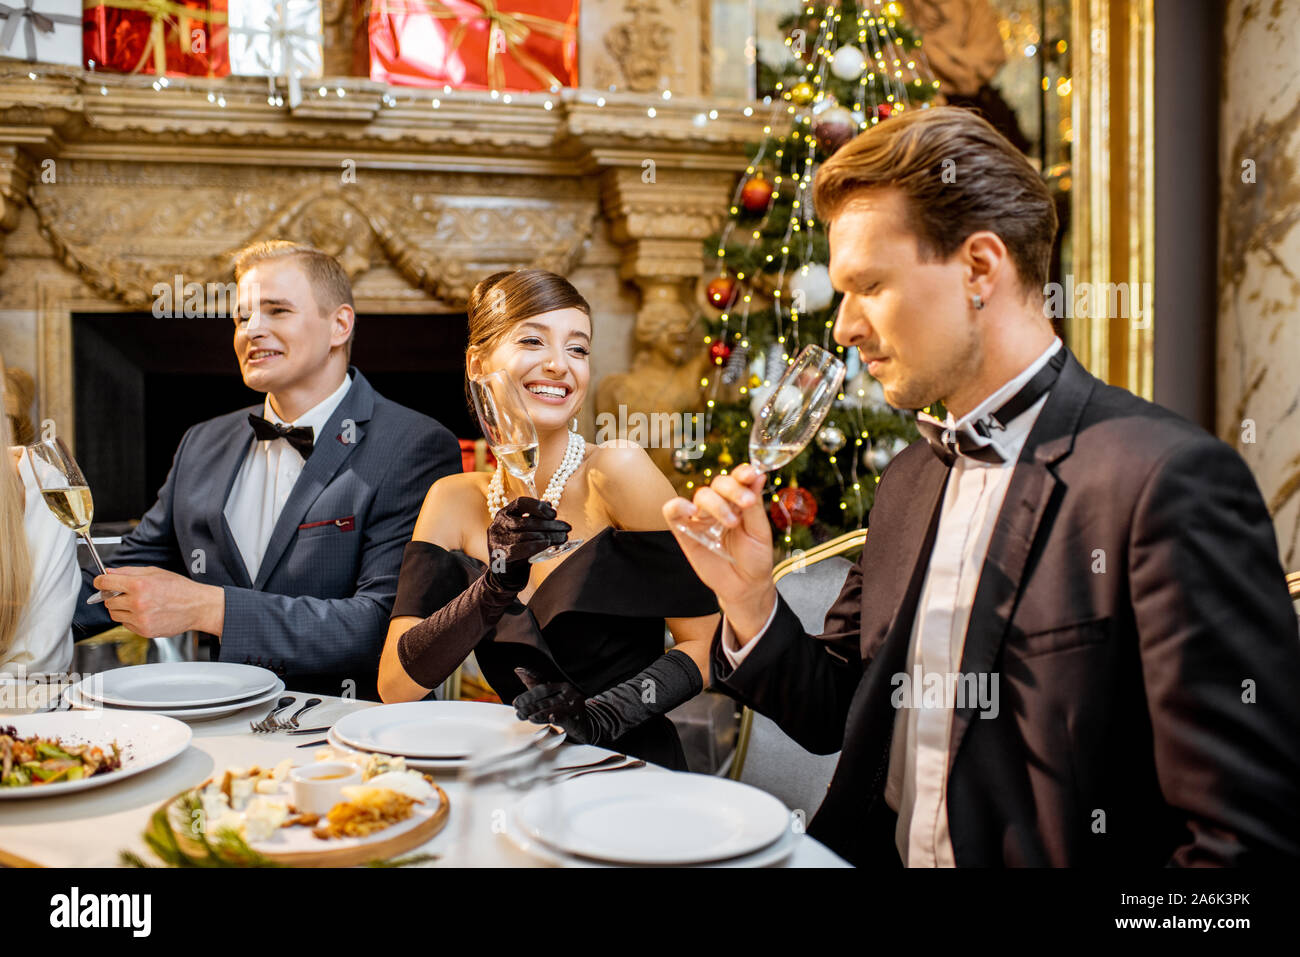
667,682
519,531
432,649
557,702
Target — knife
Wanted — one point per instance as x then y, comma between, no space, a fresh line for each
313,744
308,731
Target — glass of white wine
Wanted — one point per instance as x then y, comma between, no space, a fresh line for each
786,423
68,496
509,429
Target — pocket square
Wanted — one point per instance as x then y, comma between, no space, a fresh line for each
345,524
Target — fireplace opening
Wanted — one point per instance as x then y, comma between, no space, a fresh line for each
140,382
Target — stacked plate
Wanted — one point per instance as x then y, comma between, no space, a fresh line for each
636,819
436,735
190,690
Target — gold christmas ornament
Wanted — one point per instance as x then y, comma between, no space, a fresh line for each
802,93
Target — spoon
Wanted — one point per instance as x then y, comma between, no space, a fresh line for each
311,703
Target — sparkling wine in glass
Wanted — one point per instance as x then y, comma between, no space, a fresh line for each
785,424
509,429
67,495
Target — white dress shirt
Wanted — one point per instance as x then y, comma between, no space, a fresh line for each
265,480
43,640
918,763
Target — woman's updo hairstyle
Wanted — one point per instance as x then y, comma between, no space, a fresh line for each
504,299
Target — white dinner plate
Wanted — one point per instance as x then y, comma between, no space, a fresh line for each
79,702
146,741
438,730
770,856
432,765
419,764
177,684
676,818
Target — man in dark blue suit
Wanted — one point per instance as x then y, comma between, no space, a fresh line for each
280,528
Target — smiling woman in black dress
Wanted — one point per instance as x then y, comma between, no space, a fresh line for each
579,639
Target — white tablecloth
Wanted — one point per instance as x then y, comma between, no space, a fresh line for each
91,828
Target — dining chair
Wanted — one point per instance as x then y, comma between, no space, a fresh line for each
1293,587
766,756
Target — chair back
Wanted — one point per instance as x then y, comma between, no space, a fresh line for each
1293,587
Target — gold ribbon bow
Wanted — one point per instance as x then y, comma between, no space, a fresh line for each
161,12
507,32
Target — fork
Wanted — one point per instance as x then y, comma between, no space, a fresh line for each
269,723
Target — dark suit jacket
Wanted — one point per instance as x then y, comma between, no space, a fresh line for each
1149,706
318,610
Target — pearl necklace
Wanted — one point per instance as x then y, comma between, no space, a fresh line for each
573,456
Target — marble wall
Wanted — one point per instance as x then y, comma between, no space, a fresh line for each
1258,368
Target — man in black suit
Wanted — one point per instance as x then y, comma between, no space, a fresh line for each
280,527
1068,640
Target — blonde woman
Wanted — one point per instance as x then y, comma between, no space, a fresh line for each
39,577
577,640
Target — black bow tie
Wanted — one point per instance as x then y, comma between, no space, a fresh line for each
301,437
950,443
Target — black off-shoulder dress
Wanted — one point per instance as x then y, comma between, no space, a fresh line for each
595,621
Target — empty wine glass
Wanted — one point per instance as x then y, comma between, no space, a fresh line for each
510,432
67,495
785,424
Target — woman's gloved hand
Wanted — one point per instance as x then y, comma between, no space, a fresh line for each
556,702
519,531
606,717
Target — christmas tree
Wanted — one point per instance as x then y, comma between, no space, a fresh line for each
850,66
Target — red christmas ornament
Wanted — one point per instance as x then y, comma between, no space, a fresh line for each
721,291
884,111
793,505
756,194
720,352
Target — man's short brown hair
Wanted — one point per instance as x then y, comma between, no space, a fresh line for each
958,176
330,285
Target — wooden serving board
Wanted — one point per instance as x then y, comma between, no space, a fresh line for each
301,848
351,851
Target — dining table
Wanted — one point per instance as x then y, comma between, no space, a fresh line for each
92,828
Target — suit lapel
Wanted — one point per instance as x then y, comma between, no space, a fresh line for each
1019,523
333,446
229,460
915,538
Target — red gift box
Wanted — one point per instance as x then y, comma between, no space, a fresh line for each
173,37
474,44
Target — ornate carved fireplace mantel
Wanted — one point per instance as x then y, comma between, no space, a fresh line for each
110,187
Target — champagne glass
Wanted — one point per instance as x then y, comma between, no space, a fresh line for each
509,429
68,496
785,424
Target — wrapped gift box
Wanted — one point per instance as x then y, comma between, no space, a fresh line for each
280,38
474,44
41,31
173,37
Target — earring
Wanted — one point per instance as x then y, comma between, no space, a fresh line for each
976,301
573,426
